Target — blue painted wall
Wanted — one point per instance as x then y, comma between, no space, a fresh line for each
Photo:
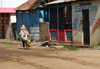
35,18
30,18
27,17
19,20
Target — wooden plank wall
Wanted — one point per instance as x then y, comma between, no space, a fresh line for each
4,22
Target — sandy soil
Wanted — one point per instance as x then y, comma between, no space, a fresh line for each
14,57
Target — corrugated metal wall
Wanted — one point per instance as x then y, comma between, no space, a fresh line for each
34,25
19,20
31,20
26,16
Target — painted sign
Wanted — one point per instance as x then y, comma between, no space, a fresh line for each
75,26
92,8
96,25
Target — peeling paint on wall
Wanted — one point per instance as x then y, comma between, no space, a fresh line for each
96,25
92,8
75,26
94,21
75,22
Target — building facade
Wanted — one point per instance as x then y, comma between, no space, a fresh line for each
8,18
31,14
60,21
86,22
76,22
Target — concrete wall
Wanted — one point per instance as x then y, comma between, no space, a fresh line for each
94,21
44,31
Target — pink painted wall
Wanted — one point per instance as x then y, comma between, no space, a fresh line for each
7,10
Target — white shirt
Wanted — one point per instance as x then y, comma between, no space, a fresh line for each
24,34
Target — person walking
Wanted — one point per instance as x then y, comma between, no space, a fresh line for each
24,35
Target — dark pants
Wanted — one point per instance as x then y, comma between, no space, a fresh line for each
24,42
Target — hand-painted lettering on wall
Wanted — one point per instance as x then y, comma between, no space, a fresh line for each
75,22
92,8
75,26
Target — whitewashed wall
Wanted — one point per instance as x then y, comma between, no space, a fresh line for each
13,18
94,21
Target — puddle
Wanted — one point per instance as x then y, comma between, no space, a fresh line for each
7,53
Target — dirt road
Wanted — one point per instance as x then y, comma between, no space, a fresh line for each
14,57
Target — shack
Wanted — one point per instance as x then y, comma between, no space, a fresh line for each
60,21
86,22
8,18
6,21
31,13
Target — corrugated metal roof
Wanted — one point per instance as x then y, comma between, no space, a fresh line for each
7,10
59,1
28,5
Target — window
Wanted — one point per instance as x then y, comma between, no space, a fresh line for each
54,35
65,17
69,36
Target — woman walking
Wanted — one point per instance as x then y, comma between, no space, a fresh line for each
24,35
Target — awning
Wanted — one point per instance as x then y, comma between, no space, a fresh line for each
58,1
7,10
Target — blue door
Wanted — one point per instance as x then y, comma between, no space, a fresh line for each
19,20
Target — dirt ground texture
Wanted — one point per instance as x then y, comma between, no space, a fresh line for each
15,57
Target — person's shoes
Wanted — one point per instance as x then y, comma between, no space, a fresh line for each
24,48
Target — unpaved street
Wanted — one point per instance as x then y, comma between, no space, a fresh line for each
14,57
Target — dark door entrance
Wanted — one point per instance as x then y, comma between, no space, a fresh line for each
86,30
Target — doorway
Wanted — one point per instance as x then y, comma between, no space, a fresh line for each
86,28
65,22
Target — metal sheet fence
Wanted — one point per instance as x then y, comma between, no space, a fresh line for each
34,33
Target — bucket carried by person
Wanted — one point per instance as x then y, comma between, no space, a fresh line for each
28,41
